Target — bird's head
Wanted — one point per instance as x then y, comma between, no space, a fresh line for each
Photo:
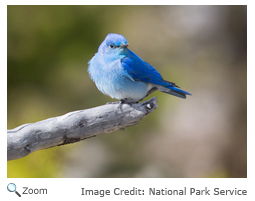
114,44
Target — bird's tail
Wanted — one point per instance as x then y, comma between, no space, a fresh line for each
174,91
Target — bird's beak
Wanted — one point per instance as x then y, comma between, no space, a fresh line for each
124,45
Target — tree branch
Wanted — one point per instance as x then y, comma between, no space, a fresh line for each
74,126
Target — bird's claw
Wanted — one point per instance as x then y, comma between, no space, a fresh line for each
121,102
111,103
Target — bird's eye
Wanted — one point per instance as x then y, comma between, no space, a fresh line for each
112,46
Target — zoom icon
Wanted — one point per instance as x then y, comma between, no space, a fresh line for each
11,187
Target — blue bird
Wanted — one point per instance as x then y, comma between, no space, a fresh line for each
121,74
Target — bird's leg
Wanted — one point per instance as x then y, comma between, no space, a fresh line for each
125,100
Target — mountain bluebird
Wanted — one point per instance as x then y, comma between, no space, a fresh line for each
121,74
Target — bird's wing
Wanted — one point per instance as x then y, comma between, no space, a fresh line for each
142,71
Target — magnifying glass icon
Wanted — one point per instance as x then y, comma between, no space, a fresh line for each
11,187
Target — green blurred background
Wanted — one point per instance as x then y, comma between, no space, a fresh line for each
203,49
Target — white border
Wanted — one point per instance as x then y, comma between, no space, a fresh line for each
71,188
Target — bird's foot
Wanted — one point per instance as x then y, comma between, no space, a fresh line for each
121,102
126,101
111,103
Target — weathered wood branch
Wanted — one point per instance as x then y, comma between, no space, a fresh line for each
74,126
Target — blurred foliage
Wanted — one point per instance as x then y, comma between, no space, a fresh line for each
44,166
48,51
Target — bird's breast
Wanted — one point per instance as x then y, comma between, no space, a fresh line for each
111,79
